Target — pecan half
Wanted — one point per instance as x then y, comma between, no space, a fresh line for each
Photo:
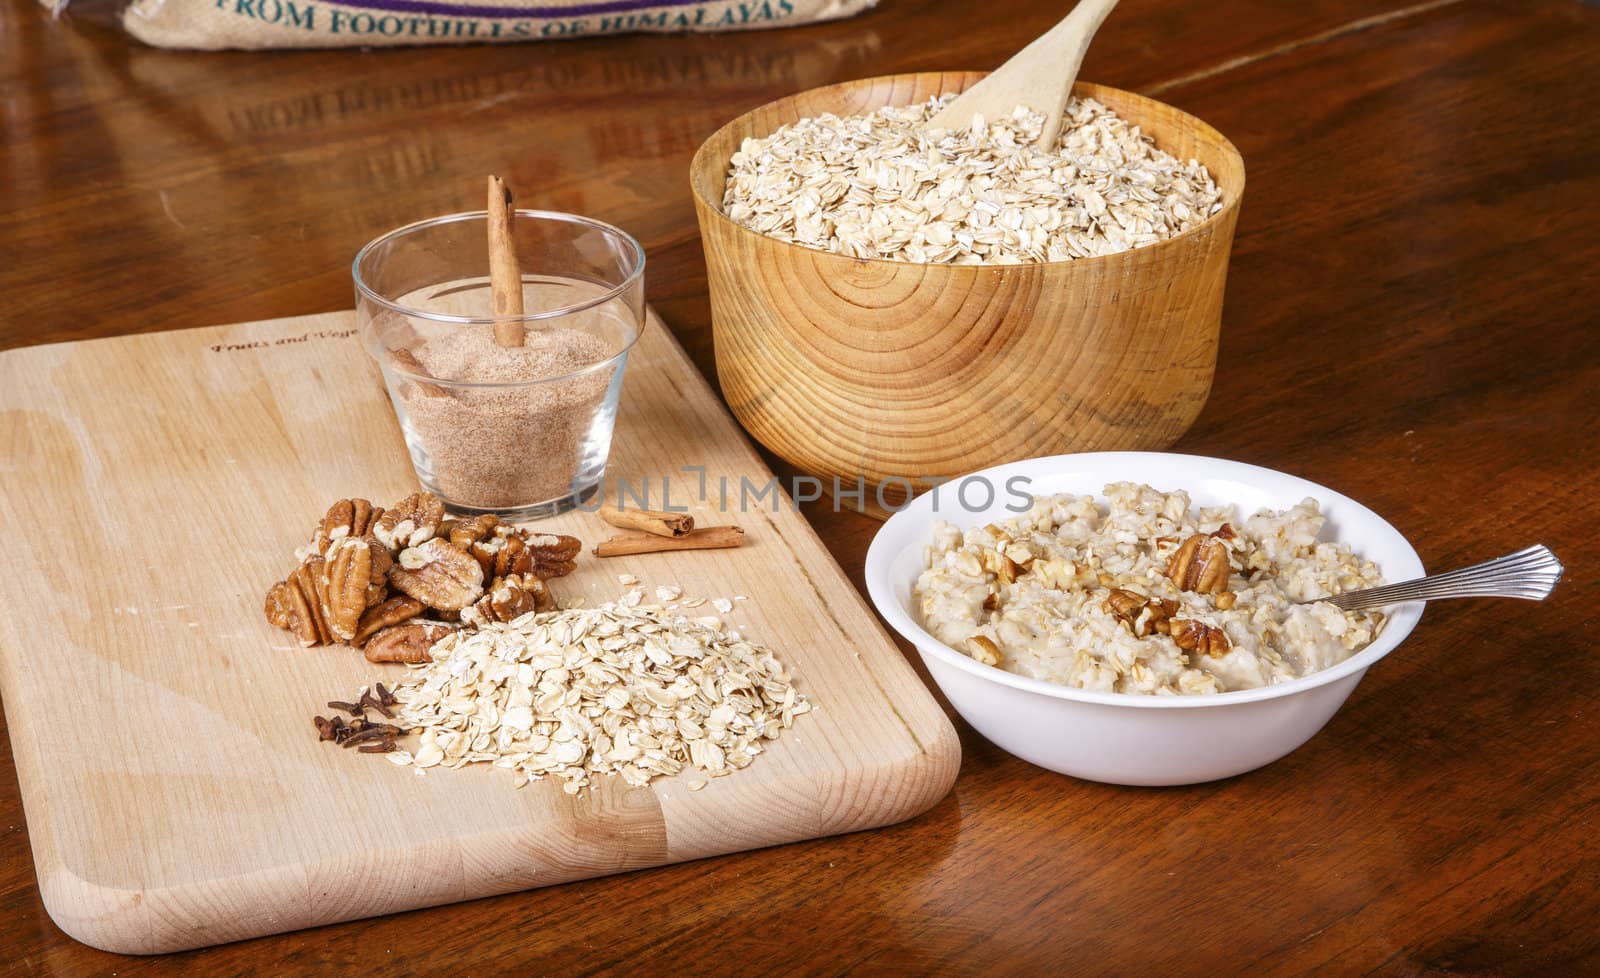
1124,604
295,603
382,561
513,555
345,583
438,575
1201,564
554,554
380,616
1142,616
345,518
411,521
544,600
406,643
498,548
1197,636
464,533
508,599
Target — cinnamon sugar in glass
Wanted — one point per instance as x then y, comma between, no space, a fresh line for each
522,432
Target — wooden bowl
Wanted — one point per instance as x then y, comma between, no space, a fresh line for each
906,373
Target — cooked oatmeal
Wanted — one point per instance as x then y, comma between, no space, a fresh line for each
1142,594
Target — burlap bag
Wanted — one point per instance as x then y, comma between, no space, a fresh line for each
214,24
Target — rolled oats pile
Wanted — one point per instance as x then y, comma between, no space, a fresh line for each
639,691
1143,594
879,186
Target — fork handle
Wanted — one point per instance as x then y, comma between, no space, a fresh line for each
1531,574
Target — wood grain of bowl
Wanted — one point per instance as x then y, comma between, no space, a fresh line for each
901,372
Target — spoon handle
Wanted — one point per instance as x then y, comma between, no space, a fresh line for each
1530,573
1040,76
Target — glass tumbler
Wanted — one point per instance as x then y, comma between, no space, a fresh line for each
521,431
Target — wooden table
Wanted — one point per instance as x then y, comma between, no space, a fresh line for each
1410,319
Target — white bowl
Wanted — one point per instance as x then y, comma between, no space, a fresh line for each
1125,738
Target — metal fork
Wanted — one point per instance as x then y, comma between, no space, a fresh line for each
1530,573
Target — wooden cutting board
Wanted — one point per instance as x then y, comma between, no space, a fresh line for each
152,488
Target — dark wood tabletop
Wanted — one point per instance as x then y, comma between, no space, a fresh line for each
1410,319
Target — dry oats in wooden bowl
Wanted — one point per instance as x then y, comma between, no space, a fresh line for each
902,306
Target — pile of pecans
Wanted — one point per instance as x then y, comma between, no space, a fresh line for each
394,581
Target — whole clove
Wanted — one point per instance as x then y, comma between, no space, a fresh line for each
364,735
327,729
368,699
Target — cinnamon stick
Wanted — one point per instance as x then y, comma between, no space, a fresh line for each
505,275
409,362
658,522
706,538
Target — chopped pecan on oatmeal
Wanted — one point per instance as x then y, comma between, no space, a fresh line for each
1142,615
1000,564
1197,636
1201,563
984,650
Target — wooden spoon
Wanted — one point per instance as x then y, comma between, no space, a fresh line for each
1040,76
